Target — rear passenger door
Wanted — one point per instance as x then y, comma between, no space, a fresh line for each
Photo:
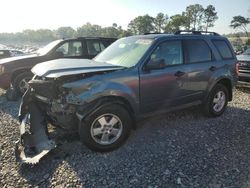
201,65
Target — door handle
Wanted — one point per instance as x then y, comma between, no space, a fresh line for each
212,68
179,73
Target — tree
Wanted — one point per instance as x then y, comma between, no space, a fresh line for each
194,15
240,22
141,24
65,32
89,30
210,16
177,22
160,22
110,32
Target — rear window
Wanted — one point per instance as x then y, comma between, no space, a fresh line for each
223,49
197,51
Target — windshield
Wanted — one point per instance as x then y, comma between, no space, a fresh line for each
125,52
247,52
48,47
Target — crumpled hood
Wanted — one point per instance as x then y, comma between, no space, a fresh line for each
243,57
62,67
10,59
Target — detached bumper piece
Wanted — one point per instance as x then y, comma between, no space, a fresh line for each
34,143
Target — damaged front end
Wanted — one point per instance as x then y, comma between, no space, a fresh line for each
41,105
59,98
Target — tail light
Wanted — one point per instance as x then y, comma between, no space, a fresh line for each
237,66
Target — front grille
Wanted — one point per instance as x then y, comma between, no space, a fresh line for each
245,65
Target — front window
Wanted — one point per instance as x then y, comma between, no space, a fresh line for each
125,52
48,47
170,52
71,49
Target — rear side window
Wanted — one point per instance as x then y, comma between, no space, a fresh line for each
197,51
94,47
223,49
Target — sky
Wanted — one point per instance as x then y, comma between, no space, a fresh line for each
17,15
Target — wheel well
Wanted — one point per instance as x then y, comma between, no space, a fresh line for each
17,72
227,83
121,101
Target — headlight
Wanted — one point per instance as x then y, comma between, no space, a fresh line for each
1,69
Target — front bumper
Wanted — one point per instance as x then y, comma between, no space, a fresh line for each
244,76
34,142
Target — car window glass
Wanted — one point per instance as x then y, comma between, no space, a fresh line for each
247,52
71,48
106,43
197,51
125,52
93,47
170,51
223,49
102,46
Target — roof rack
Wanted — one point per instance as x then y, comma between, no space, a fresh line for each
196,32
96,38
149,33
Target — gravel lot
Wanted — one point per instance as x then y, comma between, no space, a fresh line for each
179,149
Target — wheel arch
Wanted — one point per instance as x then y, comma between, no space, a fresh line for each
17,72
107,100
227,83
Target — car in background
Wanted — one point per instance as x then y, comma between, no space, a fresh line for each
4,53
15,71
244,65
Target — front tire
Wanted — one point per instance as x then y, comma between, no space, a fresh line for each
20,82
217,101
106,129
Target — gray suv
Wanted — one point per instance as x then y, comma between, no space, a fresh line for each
137,76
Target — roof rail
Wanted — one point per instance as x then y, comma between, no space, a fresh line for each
149,33
196,32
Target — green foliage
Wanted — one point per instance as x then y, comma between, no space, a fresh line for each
240,22
210,16
141,24
160,22
248,42
176,23
194,15
65,32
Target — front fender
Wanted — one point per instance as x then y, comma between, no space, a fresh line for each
102,89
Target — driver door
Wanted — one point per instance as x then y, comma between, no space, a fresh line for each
161,88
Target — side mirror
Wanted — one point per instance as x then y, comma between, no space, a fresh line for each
155,64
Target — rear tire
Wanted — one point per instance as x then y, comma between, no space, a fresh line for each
106,129
20,82
217,101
